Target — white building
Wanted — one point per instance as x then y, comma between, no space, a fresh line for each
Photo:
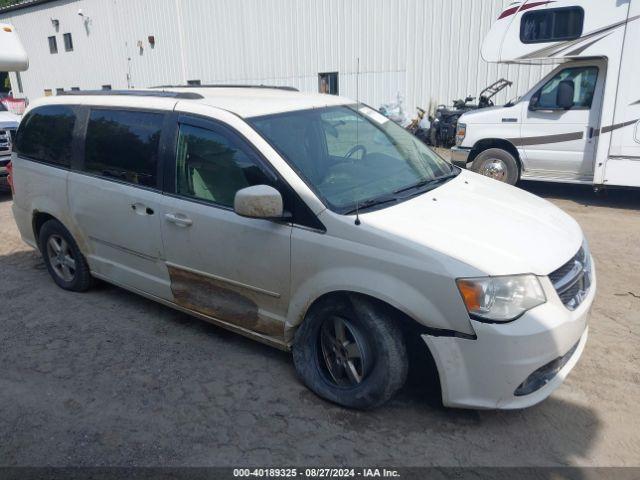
426,50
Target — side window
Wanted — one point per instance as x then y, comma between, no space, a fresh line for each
214,165
123,145
46,134
552,25
584,84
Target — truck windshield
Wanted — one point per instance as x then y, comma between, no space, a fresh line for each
354,157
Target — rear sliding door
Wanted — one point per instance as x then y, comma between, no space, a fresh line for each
115,197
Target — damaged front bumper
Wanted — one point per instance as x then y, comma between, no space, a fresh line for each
512,365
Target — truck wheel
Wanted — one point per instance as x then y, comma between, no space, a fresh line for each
350,352
498,164
65,263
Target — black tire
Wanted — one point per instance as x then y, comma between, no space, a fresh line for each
508,170
80,279
386,365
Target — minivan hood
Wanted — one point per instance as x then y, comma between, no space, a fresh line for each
493,227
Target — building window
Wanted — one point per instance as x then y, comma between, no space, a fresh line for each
53,45
194,83
106,87
328,83
48,92
59,91
552,25
68,42
75,89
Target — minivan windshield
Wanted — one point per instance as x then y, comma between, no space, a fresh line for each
353,157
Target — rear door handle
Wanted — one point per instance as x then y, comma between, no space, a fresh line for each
178,219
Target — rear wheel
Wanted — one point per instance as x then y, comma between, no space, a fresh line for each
349,351
65,263
498,164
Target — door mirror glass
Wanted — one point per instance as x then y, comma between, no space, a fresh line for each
259,201
533,103
566,91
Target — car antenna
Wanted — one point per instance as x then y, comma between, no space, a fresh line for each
357,222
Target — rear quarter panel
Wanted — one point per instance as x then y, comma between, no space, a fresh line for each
38,188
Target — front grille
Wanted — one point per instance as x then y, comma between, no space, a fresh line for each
573,279
6,137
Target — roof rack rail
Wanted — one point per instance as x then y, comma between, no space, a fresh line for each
226,85
136,93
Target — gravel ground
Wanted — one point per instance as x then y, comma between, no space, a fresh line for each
109,378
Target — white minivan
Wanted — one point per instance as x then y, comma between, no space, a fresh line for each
313,224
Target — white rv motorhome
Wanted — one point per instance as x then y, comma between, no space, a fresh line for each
579,124
13,58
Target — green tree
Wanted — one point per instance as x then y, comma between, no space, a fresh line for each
6,3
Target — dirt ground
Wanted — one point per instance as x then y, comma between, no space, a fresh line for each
109,378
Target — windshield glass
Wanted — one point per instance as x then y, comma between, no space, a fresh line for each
353,156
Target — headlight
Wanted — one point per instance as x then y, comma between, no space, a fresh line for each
501,299
461,132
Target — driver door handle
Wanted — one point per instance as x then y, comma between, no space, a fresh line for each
178,219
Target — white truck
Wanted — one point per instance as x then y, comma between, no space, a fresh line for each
12,58
580,123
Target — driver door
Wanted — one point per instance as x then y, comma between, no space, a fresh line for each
233,269
562,143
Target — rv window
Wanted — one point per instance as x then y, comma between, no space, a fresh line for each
552,25
584,86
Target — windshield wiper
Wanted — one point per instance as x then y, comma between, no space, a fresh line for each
432,182
374,202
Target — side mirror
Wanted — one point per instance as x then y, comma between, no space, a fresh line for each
564,98
533,103
259,201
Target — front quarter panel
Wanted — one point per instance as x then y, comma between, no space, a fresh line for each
353,258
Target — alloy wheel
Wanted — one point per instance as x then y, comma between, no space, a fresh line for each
345,354
61,258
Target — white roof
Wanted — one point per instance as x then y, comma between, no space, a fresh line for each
243,101
253,102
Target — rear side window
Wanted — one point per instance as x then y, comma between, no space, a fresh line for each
46,134
552,25
123,145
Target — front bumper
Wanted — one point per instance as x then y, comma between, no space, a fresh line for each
486,372
460,156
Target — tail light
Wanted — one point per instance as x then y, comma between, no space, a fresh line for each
10,176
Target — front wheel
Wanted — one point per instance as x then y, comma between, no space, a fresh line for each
498,164
349,351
